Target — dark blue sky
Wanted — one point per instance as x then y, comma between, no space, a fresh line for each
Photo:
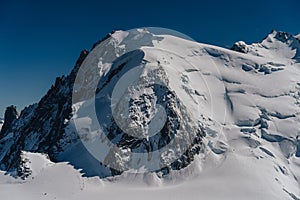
40,40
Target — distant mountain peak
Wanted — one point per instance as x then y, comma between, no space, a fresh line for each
275,45
281,36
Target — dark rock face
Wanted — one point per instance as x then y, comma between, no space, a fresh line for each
283,36
139,110
10,115
40,126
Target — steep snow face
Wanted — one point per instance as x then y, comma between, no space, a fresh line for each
144,102
136,117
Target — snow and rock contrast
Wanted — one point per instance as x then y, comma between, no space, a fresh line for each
146,109
1,123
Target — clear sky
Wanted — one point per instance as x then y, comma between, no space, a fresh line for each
40,40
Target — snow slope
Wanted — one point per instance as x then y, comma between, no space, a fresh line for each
229,181
246,104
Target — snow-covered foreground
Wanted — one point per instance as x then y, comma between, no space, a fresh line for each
234,179
247,104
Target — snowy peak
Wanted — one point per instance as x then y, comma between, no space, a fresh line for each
282,37
276,45
283,44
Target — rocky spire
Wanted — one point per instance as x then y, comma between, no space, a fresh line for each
10,115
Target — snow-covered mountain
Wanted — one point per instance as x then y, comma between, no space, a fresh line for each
228,121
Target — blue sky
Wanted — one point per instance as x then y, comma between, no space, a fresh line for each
40,40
